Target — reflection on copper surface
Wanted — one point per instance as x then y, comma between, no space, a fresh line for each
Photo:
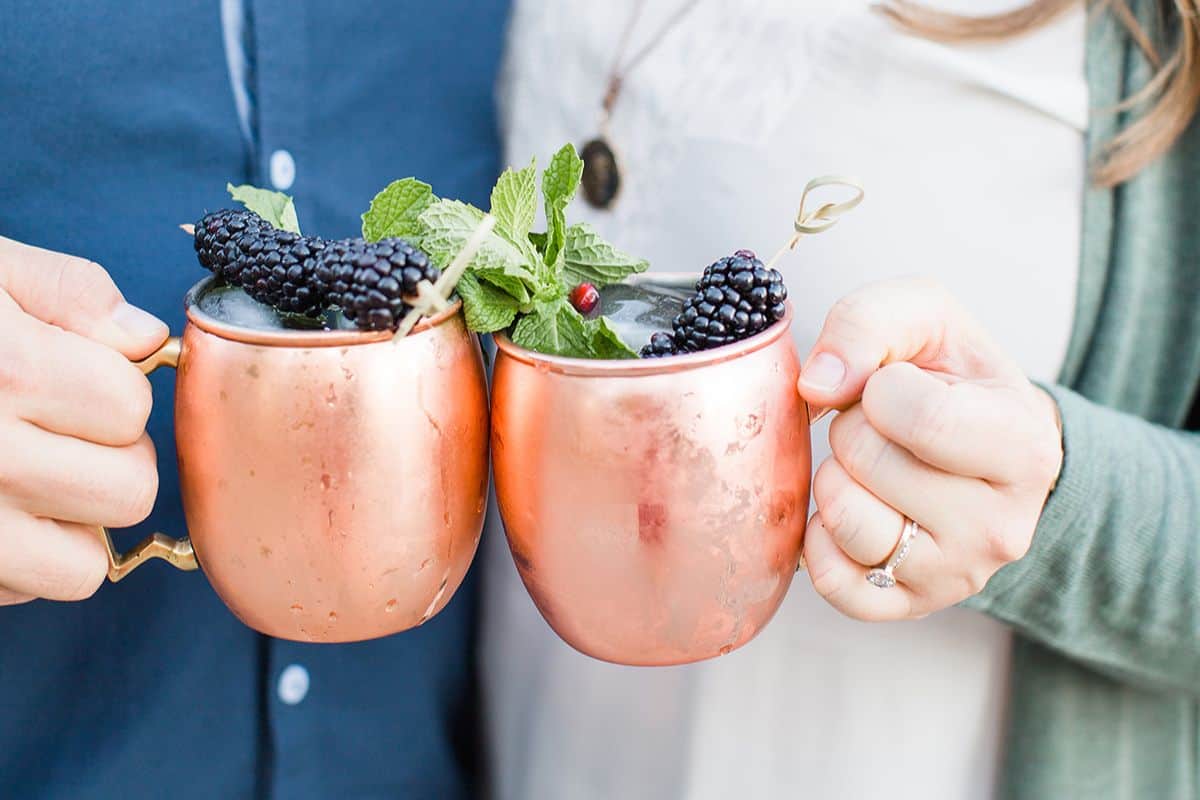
334,482
655,508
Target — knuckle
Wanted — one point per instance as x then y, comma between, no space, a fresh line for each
88,578
15,476
11,483
15,370
973,582
131,404
76,576
825,490
140,404
930,423
853,317
859,449
1045,460
836,517
140,490
1004,543
828,584
79,278
75,283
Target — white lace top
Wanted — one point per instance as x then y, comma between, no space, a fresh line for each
973,161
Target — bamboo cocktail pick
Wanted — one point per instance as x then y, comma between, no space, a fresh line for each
825,217
432,298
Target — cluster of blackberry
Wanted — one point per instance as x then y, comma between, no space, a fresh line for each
736,297
306,274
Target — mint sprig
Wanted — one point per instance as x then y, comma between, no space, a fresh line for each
519,279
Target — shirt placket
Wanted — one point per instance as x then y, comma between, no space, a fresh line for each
278,77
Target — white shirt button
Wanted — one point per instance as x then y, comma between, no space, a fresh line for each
283,170
293,684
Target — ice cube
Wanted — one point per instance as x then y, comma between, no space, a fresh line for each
233,306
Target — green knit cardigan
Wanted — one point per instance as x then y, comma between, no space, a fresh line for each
1106,605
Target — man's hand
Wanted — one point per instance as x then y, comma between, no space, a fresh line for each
939,426
73,449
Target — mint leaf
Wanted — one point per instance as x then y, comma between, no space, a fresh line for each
573,335
556,328
275,207
515,286
559,184
395,211
587,257
562,176
514,202
486,308
605,343
538,329
449,223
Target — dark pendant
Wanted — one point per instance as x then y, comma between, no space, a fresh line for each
601,175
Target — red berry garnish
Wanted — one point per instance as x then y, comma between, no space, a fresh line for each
585,298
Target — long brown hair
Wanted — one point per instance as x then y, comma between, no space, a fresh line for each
1169,99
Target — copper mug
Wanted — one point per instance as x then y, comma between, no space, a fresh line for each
655,508
333,482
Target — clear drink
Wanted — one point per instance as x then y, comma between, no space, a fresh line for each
638,310
231,305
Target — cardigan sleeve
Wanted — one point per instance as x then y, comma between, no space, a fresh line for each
1112,579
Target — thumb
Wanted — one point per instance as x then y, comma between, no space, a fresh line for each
910,319
78,296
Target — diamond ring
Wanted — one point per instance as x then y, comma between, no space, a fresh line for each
884,576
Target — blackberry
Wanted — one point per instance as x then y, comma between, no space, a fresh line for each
279,268
736,297
272,266
215,231
369,280
661,344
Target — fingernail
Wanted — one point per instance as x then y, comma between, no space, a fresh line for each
138,323
824,373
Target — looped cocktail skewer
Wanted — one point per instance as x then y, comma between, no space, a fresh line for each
824,217
432,298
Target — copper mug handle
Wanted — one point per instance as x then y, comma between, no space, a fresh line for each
815,413
176,552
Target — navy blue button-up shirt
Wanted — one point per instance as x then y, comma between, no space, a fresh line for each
117,123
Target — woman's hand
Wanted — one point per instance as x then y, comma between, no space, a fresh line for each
73,409
939,426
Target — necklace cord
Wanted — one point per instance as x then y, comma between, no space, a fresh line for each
620,69
660,34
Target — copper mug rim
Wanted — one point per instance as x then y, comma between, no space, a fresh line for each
294,337
594,367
